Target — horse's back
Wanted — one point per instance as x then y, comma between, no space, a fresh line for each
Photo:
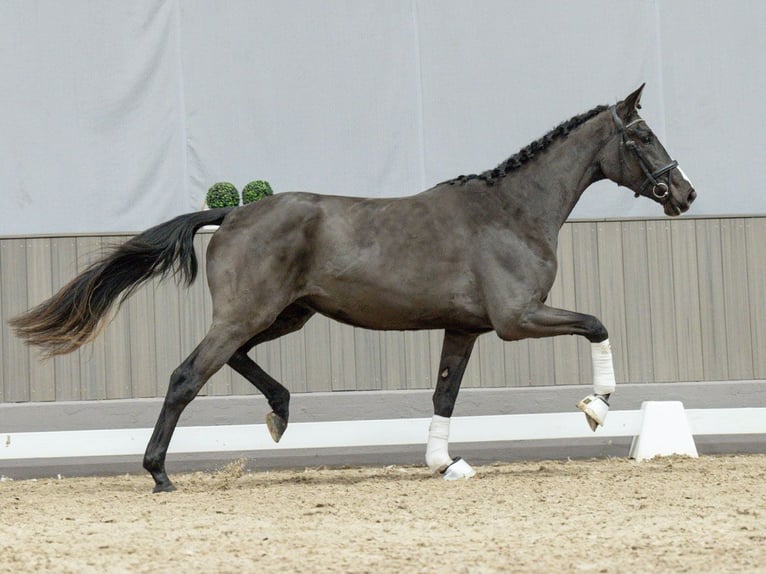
391,263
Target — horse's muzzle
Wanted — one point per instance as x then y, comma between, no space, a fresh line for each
676,205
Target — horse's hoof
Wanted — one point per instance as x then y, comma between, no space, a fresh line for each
595,408
277,425
164,487
458,470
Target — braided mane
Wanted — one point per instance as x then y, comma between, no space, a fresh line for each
528,153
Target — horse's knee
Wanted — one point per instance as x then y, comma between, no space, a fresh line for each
595,330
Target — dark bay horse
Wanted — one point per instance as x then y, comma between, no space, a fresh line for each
471,255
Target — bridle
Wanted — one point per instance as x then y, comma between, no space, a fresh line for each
660,189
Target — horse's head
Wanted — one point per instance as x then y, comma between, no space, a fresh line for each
636,159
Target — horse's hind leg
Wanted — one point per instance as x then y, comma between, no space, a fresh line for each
456,350
185,382
278,397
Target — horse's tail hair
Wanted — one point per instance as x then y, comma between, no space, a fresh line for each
75,315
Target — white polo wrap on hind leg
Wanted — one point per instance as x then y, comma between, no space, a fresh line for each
603,368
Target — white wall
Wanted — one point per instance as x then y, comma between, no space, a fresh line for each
117,115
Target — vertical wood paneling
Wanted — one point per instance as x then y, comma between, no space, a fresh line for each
682,300
587,290
117,357
367,359
712,305
612,290
67,367
686,298
489,355
393,363
542,370
517,368
636,296
143,342
167,324
565,359
13,285
318,359
472,377
342,360
5,331
662,309
736,298
417,353
293,355
92,371
42,375
755,235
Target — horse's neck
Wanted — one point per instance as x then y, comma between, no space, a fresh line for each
551,185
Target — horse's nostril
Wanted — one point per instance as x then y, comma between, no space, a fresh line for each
692,195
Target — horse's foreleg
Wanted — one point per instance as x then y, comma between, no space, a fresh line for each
543,321
278,397
456,350
185,382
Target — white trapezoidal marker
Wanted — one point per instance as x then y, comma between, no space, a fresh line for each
664,431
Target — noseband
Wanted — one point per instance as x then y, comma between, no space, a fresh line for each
660,189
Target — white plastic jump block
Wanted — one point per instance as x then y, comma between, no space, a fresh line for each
664,431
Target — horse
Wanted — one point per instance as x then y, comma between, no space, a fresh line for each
469,256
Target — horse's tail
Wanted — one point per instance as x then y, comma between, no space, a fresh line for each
74,315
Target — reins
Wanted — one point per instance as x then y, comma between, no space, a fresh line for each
660,189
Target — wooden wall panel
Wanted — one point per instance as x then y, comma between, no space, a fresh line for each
13,285
587,293
712,305
66,367
736,298
117,352
636,295
565,351
319,360
662,311
682,299
42,379
612,291
755,238
686,298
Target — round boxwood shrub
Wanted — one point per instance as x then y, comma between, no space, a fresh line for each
255,190
222,194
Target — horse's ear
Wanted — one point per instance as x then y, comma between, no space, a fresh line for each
633,101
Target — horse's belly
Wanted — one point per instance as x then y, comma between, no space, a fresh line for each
386,312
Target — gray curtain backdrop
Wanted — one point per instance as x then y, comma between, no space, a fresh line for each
117,115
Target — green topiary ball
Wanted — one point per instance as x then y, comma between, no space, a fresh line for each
255,190
222,194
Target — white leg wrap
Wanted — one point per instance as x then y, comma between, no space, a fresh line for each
603,368
437,454
595,406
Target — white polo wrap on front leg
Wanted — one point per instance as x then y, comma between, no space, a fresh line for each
437,454
603,368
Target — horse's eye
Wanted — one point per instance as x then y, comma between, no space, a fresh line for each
646,139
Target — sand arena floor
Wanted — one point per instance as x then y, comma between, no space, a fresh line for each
665,515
